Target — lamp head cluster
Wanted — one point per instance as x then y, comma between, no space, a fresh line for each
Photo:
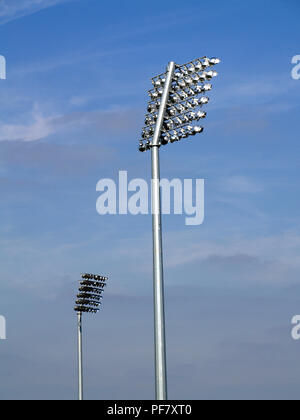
89,294
184,110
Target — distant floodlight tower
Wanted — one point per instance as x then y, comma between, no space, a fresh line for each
175,107
88,300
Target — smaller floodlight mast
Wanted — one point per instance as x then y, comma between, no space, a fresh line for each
173,113
88,300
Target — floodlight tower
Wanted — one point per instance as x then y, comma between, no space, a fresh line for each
175,106
88,300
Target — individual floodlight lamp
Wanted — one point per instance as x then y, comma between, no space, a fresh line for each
176,105
88,300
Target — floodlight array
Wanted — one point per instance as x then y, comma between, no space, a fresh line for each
187,96
90,293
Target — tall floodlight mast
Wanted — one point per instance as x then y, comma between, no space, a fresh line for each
173,113
88,300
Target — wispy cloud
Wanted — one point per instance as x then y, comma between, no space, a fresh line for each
269,94
14,9
241,184
282,248
42,126
275,256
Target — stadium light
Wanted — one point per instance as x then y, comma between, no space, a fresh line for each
88,300
175,107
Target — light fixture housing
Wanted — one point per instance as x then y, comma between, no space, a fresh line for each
91,287
184,105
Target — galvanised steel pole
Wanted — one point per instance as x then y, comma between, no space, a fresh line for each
158,279
80,373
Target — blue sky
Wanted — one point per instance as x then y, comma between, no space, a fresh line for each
71,111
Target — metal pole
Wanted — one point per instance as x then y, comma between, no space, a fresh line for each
80,375
158,280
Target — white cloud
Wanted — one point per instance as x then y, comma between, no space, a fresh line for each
264,95
277,256
283,248
13,9
42,126
241,184
78,100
